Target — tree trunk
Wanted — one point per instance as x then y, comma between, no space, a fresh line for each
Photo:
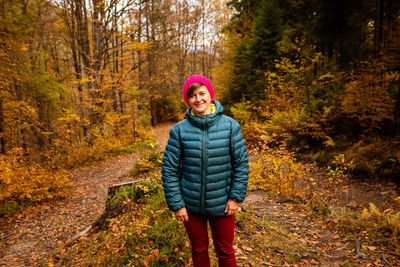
83,34
203,63
97,35
378,29
397,109
337,51
150,57
2,135
76,22
121,103
115,60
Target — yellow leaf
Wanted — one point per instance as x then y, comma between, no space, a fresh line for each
247,248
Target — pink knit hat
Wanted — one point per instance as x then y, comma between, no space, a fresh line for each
197,79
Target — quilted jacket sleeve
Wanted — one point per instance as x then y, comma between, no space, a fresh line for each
170,171
240,164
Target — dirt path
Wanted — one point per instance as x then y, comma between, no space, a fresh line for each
162,133
42,229
319,240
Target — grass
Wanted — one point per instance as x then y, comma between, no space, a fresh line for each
32,184
139,146
149,235
140,230
377,231
146,236
143,232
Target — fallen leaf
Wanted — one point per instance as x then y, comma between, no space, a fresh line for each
247,248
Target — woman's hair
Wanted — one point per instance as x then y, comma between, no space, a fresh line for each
193,87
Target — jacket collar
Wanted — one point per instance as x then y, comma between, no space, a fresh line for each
206,120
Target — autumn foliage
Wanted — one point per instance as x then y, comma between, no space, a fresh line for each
21,182
83,80
291,78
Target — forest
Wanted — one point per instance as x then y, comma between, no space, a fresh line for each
81,79
321,77
85,80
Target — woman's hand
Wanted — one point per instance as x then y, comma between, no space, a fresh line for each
182,215
231,207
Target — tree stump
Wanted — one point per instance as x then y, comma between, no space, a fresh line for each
112,190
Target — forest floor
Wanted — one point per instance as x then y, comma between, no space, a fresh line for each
318,243
40,230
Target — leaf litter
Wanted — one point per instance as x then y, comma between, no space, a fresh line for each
269,232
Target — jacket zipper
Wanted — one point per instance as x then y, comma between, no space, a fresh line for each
203,169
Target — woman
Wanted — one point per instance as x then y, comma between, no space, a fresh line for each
205,172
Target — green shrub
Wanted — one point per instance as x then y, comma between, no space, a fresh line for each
149,161
158,239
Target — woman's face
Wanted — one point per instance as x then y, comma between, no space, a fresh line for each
200,101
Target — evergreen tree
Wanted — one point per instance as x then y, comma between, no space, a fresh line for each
259,27
340,29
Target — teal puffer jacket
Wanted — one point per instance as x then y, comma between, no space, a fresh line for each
205,163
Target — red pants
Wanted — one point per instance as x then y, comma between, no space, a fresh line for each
223,230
